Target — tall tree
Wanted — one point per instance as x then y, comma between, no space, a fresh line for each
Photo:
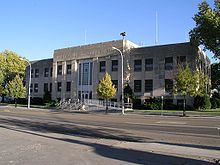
207,29
10,65
16,89
106,89
215,76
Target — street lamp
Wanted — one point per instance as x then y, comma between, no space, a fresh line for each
29,84
122,81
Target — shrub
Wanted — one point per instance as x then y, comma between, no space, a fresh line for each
217,100
47,97
37,101
213,103
207,103
137,104
198,102
152,103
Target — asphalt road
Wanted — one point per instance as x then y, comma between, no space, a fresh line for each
42,137
201,131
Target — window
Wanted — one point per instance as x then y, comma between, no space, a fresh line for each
35,88
115,82
91,71
31,88
114,65
181,60
51,72
50,87
46,72
102,66
68,86
85,74
148,85
36,73
149,64
168,85
68,69
45,87
32,73
137,85
137,65
59,69
168,63
59,86
80,72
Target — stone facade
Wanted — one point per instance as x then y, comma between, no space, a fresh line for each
148,70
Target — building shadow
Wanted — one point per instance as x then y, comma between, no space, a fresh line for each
72,129
123,154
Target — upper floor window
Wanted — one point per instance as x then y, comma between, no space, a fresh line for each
68,68
46,72
32,73
59,69
137,65
51,72
168,63
102,67
114,65
36,73
149,64
168,85
181,60
31,88
137,85
148,85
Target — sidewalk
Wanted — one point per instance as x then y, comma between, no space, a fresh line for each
31,147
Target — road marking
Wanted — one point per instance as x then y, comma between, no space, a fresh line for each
6,110
170,122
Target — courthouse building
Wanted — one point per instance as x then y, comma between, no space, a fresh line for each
75,72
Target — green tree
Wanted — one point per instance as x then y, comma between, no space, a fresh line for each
199,84
106,89
215,76
207,29
188,83
128,93
183,84
10,65
16,89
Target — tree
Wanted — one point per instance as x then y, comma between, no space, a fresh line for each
128,93
106,89
199,84
188,83
16,89
183,83
207,29
215,78
10,65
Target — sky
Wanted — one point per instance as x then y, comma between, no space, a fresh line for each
35,28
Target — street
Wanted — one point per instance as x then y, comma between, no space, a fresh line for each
143,139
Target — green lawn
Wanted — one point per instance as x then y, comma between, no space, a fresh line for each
212,112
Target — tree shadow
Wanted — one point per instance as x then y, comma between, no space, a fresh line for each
123,154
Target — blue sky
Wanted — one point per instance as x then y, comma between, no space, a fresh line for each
35,28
